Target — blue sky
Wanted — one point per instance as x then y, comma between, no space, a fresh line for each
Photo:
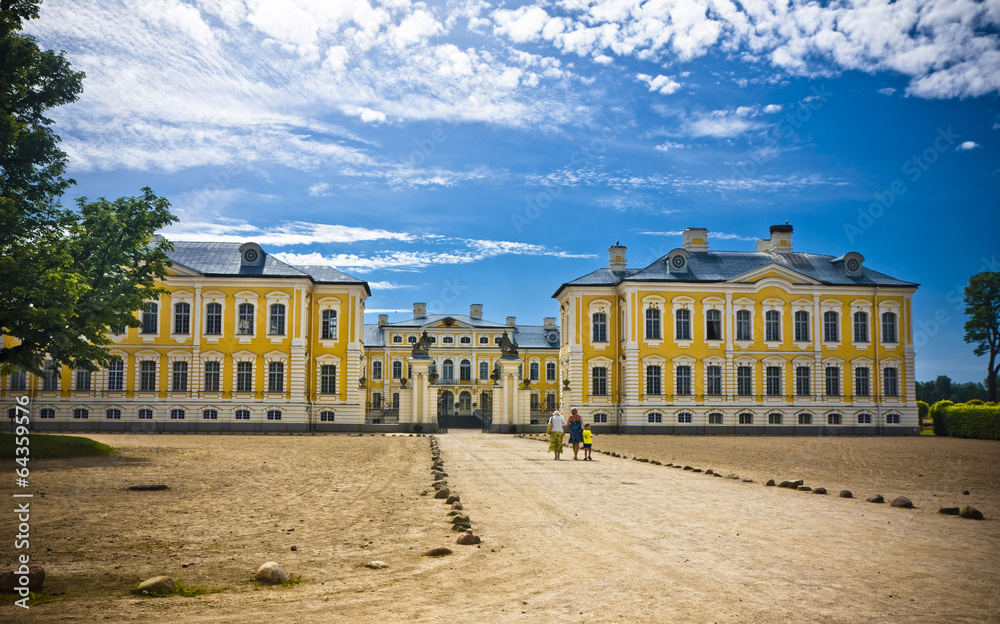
486,152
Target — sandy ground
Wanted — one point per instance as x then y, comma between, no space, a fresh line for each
612,540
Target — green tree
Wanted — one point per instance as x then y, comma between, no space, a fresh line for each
982,304
67,275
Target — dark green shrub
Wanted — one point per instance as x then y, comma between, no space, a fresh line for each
937,414
974,402
967,420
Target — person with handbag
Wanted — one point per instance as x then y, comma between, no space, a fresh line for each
575,432
555,431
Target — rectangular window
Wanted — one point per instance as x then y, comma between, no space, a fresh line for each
48,412
274,414
276,377
683,324
832,381
484,370
772,326
18,380
600,327
713,380
329,325
244,377
654,418
150,318
801,326
653,324
326,416
713,325
147,376
892,419
715,419
212,376
550,402
182,318
328,379
652,380
683,380
774,419
746,418
600,418
889,327
533,371
805,419
397,370
773,376
862,381
116,375
213,319
743,327
744,382
864,419
244,324
113,414
802,380
83,380
550,372
535,403
50,378
376,370
177,414
860,327
209,414
833,419
81,413
145,414
180,377
276,322
831,327
684,417
600,381
891,382
242,414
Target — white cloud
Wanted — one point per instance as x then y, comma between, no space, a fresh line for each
667,146
711,235
366,115
388,286
284,234
662,84
967,145
320,189
887,91
773,108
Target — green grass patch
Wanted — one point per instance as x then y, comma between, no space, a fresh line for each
34,598
293,579
182,589
48,446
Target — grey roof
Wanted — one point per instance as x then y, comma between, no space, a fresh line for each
720,266
526,336
223,259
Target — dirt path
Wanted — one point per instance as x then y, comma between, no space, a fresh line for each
611,540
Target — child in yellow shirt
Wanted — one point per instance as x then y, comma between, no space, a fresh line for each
588,442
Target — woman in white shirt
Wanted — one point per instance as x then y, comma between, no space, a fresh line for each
556,424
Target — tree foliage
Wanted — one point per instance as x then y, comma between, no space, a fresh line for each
943,388
982,304
66,275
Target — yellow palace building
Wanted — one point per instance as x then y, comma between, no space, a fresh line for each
769,341
699,341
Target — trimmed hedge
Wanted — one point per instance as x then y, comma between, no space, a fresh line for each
968,421
923,409
937,414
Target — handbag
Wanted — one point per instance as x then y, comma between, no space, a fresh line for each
549,428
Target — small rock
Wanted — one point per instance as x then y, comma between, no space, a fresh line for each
819,490
655,463
804,488
454,512
147,488
688,468
770,482
747,480
163,585
786,484
950,511
902,501
271,573
709,471
36,579
965,492
443,493
438,552
460,519
452,499
438,485
468,539
294,548
718,475
971,513
696,470
461,526
457,505
846,494
877,498
377,565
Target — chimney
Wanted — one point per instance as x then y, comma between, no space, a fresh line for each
419,310
549,321
696,239
616,257
781,238
383,319
511,321
476,311
764,245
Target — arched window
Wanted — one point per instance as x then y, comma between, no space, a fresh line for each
376,370
484,370
465,370
448,370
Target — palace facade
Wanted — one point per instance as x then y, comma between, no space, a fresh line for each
699,341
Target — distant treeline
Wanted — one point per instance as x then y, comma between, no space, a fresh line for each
942,389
